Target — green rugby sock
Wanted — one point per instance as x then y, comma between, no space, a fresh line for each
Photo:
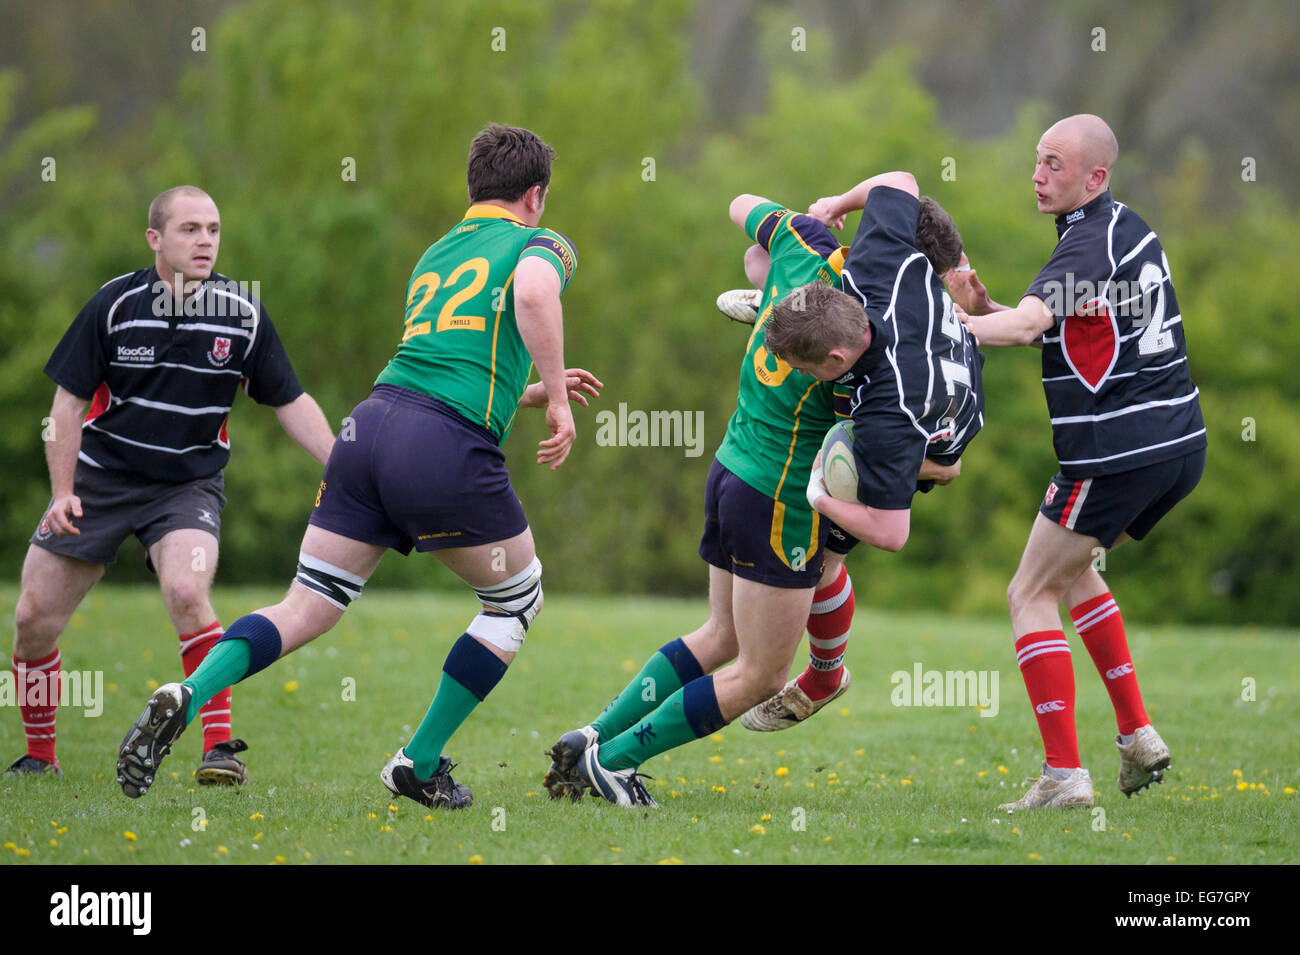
469,673
225,665
671,666
451,706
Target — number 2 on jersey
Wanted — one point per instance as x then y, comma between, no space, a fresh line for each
448,319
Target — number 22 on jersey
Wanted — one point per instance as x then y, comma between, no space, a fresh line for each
448,318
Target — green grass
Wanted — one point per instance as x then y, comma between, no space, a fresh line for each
872,782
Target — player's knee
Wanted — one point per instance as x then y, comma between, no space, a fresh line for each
509,609
185,597
36,628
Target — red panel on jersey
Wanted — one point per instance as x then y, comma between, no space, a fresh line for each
1090,342
99,404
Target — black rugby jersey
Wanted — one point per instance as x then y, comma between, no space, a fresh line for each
1115,370
161,376
917,390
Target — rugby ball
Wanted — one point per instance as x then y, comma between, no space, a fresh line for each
839,465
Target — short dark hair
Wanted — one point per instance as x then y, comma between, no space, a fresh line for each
506,161
937,236
161,205
810,321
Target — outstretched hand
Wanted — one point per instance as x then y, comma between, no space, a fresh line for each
579,382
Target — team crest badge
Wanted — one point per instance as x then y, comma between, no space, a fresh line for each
1090,343
220,353
1050,496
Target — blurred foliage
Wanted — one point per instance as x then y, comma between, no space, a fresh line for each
288,90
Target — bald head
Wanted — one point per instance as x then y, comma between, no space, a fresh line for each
1089,137
161,205
1075,157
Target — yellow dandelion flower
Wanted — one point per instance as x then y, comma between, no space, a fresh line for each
1290,790
715,759
279,859
1003,770
24,852
257,815
61,830
392,808
904,782
982,773
53,843
1036,857
674,793
719,789
11,846
766,817
428,818
859,752
761,830
1242,787
1236,773
827,839
1015,830
372,815
1126,835
671,860
223,850
960,762
291,686
152,684
476,860
130,836
782,771
844,711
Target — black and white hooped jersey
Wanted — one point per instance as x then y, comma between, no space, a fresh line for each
1115,364
161,376
917,390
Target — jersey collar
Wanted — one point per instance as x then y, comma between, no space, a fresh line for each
1064,221
481,210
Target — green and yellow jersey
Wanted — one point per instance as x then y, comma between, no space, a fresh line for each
461,343
781,414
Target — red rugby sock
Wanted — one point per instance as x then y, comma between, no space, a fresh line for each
1044,660
37,684
215,713
1101,628
828,636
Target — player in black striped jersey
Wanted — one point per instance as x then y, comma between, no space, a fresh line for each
912,369
1128,433
158,356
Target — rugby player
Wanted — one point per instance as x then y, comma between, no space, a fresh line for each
146,376
1129,437
426,469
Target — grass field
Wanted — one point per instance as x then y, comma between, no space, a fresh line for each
865,781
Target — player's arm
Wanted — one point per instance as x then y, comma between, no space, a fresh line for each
303,421
61,449
541,326
939,473
832,209
1022,325
886,529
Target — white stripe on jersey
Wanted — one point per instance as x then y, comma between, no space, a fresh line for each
1125,374
178,409
173,364
140,323
83,456
1131,409
891,352
219,329
129,292
1125,454
115,278
150,447
248,321
1077,506
1137,248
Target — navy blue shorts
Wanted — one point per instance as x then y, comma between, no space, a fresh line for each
748,534
1130,502
417,474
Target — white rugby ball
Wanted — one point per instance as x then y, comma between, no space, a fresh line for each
839,464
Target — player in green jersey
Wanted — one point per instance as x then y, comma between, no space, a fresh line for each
763,542
423,468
